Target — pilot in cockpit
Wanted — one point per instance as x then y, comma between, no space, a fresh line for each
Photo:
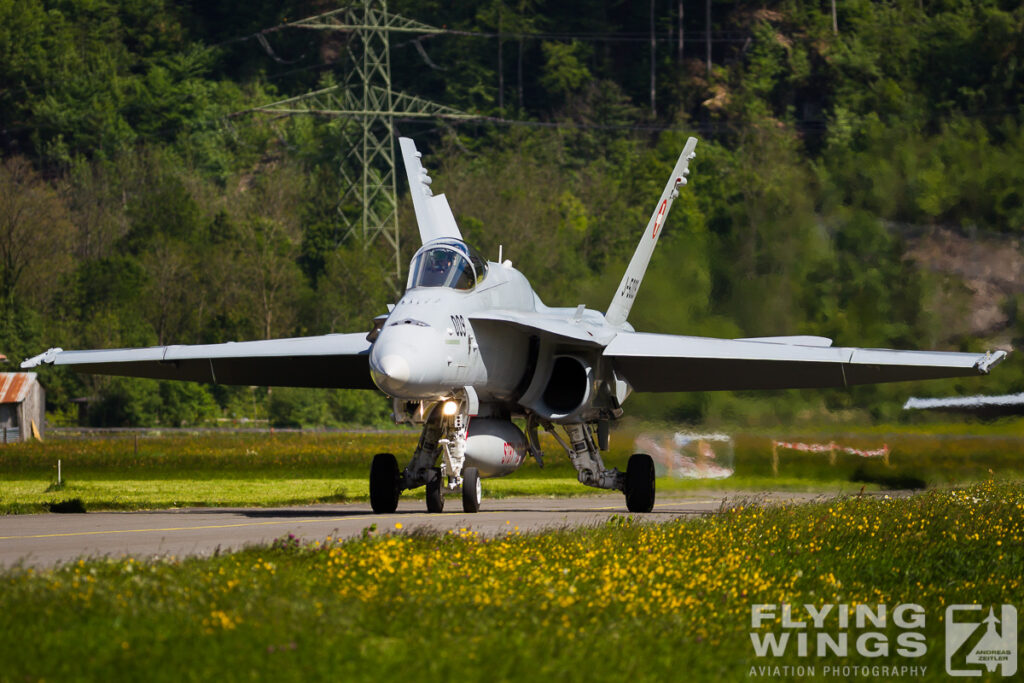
438,265
445,266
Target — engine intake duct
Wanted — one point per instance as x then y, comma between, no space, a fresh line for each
567,387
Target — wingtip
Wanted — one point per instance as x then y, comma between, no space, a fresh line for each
990,360
48,356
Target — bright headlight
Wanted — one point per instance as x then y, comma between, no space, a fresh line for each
450,408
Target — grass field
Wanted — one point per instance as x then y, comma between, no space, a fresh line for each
180,468
624,601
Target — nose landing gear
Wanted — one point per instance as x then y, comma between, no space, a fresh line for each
471,490
444,437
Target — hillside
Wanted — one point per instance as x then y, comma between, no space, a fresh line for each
985,274
142,202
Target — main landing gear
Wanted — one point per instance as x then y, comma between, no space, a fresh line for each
385,485
444,437
637,482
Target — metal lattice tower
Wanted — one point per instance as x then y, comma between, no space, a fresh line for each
365,95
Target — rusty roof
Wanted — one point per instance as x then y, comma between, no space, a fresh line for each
14,386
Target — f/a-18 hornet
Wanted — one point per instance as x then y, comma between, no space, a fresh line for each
470,346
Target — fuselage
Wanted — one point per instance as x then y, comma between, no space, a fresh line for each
430,346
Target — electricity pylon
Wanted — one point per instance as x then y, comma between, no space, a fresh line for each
365,94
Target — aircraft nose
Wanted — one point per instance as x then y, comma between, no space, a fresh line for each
395,368
407,361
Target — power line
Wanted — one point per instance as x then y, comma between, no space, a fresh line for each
366,96
619,37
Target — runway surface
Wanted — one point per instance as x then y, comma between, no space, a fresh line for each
48,539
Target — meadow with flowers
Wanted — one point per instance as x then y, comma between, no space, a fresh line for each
625,600
179,468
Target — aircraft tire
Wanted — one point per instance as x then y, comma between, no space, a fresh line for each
435,491
471,492
384,486
640,483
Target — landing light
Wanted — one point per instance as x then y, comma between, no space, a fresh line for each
450,408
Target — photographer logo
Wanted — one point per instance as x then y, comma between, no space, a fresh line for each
976,644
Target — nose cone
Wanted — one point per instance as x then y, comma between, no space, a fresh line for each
408,361
395,368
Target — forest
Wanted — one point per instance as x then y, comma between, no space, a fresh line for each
144,202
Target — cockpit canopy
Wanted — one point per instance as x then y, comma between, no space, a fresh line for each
446,263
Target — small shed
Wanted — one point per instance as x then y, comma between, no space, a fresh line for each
22,405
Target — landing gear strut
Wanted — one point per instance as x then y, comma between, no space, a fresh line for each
637,482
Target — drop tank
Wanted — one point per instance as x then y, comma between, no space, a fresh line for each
495,446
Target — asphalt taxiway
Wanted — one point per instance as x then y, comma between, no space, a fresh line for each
48,539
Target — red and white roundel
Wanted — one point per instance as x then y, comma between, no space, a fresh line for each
659,218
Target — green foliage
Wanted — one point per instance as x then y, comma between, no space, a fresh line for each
291,407
124,402
151,214
352,407
564,69
186,403
127,402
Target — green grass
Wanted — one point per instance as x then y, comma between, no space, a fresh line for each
29,495
623,601
21,496
179,468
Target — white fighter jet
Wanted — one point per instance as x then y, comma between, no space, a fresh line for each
469,347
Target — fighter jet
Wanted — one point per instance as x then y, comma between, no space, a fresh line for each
470,347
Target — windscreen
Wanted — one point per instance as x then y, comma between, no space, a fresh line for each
441,266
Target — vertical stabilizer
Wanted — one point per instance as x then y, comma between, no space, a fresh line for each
433,215
618,311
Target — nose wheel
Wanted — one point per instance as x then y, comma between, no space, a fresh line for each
471,490
444,438
385,483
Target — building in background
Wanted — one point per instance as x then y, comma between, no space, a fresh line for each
22,406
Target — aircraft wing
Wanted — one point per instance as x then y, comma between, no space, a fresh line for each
662,362
433,215
339,361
